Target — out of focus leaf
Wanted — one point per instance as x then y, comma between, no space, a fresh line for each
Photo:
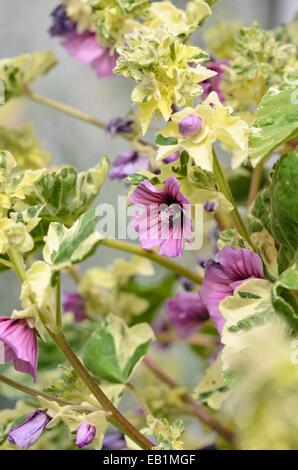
22,143
284,301
17,72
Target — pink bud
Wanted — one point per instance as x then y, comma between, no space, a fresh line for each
190,125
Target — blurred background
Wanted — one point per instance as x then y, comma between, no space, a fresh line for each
24,28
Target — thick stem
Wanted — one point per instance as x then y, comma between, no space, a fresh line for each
198,339
75,113
255,183
32,391
196,409
116,418
58,303
225,189
162,260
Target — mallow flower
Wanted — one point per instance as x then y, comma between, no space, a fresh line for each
82,45
195,130
20,345
186,312
164,219
24,435
128,163
85,434
222,277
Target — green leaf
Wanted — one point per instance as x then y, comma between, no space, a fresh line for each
161,140
244,315
284,301
22,143
17,72
276,123
260,214
113,350
64,192
135,179
284,209
203,178
66,246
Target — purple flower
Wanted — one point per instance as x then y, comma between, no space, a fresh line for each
190,125
214,83
163,221
186,312
120,125
172,158
82,46
74,302
24,435
20,344
114,441
222,277
85,434
128,163
85,48
62,25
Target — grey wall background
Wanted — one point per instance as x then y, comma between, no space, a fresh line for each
23,28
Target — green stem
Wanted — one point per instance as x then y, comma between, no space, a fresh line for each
75,113
162,260
225,189
58,303
31,391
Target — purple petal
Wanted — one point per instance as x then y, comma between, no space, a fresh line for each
186,312
85,434
240,263
20,344
27,433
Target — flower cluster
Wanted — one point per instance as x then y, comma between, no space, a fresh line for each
260,60
167,72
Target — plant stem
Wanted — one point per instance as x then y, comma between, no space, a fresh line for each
196,409
58,303
32,391
199,339
116,418
225,189
75,113
255,183
5,263
162,260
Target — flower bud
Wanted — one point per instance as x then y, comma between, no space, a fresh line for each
190,125
85,434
